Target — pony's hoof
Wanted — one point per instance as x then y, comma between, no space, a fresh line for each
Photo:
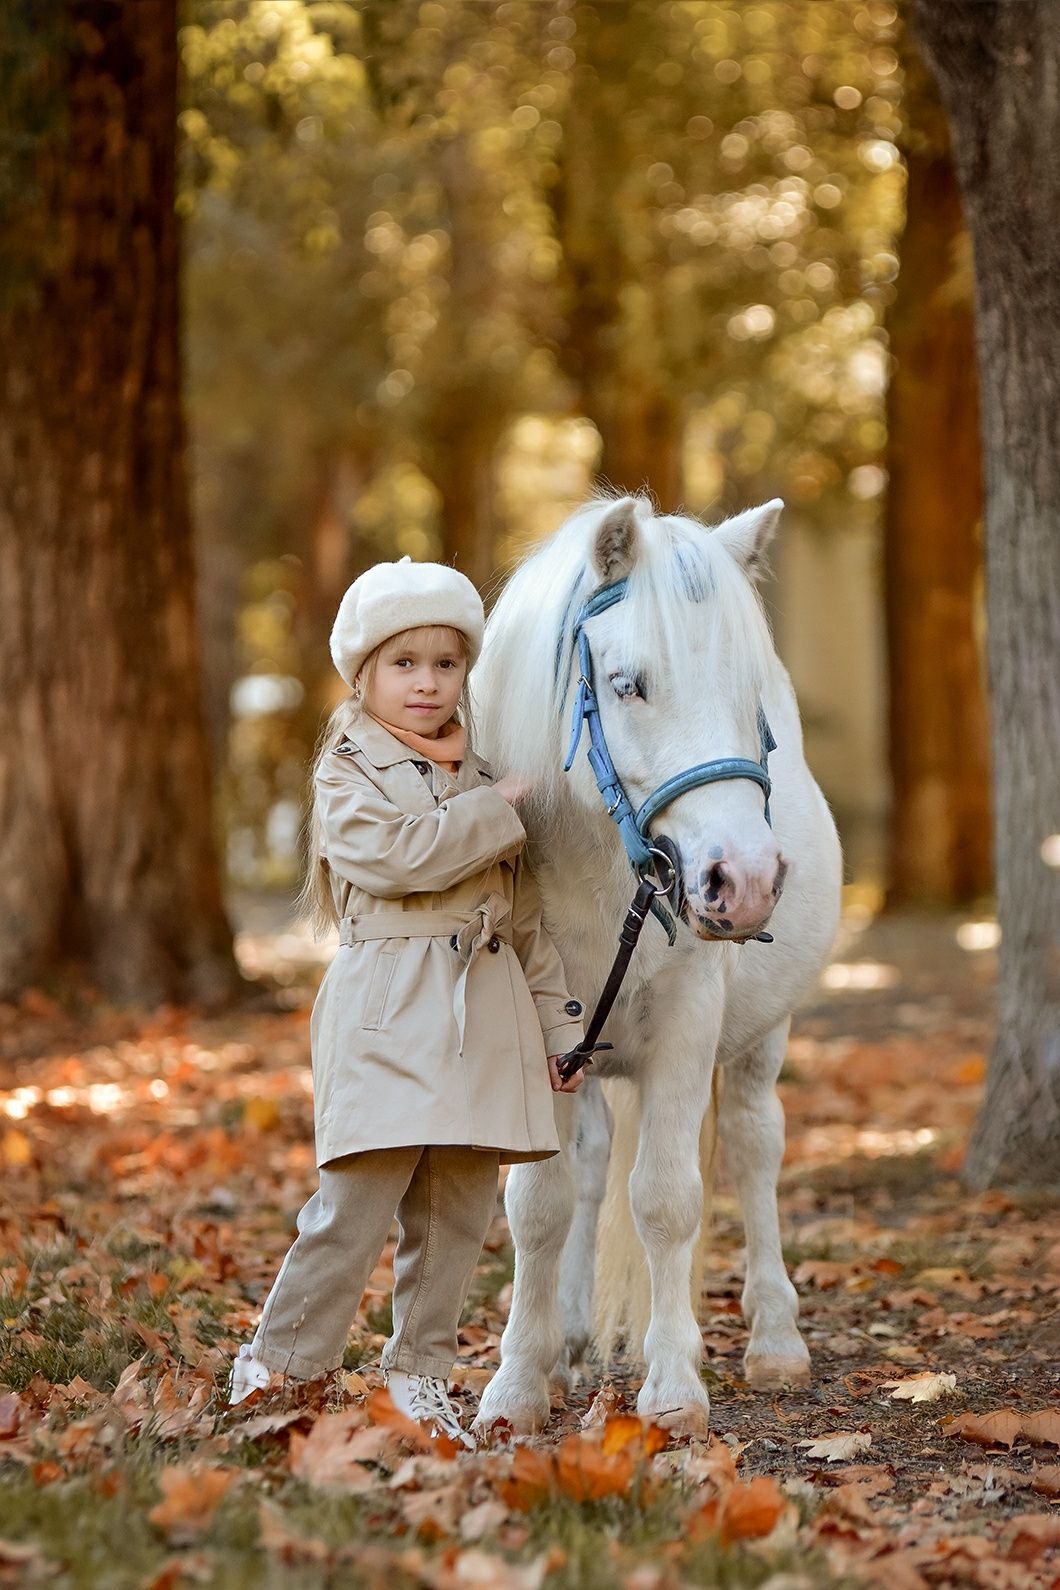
691,1420
772,1372
518,1422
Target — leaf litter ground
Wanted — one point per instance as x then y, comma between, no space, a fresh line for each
153,1168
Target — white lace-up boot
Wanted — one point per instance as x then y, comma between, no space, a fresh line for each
248,1374
426,1399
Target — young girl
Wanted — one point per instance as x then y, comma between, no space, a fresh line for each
434,1022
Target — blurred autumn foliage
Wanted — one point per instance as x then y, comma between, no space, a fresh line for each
446,262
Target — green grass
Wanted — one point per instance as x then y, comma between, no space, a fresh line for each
96,1541
75,1341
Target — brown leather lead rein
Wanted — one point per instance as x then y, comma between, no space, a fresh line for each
640,905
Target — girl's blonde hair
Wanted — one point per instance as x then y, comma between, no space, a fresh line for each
315,900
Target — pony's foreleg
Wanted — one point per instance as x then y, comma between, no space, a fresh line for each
666,1197
590,1154
539,1203
752,1134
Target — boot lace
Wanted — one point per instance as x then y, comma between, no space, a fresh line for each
430,1401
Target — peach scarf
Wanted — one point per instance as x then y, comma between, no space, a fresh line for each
447,750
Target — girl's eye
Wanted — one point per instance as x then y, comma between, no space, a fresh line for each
628,686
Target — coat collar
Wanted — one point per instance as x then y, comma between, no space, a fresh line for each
384,750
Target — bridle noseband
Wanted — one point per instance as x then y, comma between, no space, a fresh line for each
644,851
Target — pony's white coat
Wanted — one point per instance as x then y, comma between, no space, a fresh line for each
692,630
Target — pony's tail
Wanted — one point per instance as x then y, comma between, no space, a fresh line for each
621,1291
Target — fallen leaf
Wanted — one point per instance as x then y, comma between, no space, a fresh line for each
1031,1535
839,1446
190,1497
822,1273
323,1458
278,1538
628,1432
1041,1428
585,1473
1046,1480
750,1511
927,1387
604,1406
992,1430
435,1513
530,1478
482,1519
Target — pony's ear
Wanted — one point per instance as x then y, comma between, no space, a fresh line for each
746,536
614,549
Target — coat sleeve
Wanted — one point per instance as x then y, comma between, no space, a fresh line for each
559,1014
390,853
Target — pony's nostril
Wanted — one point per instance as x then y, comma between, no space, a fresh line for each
778,881
713,881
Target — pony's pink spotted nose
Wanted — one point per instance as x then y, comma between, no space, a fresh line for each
730,896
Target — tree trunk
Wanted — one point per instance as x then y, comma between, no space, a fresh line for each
998,66
462,468
940,844
107,855
619,378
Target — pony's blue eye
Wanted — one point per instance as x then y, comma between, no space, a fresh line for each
629,687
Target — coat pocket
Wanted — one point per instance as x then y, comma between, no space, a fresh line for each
378,989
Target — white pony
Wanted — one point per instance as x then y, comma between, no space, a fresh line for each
683,666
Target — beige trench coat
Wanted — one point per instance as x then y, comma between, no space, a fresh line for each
434,1019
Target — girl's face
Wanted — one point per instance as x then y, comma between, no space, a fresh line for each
417,680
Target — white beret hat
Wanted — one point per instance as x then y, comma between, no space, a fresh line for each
391,597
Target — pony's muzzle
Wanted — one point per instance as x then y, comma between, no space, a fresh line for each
729,896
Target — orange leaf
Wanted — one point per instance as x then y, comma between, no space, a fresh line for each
622,1432
530,1479
586,1473
190,1496
750,1511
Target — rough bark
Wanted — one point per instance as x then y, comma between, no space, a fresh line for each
107,856
940,838
998,67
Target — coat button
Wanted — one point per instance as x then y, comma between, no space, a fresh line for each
452,941
494,945
421,767
573,1007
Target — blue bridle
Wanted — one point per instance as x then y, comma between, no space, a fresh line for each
633,825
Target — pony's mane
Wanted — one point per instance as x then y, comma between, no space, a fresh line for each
684,590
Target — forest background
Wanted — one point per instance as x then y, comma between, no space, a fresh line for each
289,286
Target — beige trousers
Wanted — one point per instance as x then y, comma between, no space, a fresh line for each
445,1198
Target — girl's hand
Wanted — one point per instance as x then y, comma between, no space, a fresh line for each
558,1085
513,789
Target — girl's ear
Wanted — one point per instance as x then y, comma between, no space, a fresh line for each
746,536
614,549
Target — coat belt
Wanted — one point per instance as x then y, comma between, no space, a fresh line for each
469,932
